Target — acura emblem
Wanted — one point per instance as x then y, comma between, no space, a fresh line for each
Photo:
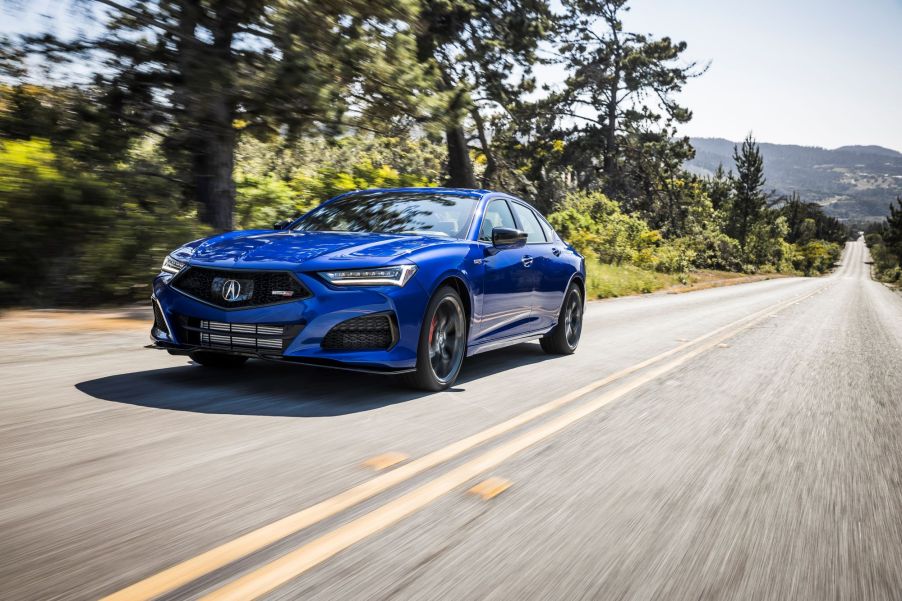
231,290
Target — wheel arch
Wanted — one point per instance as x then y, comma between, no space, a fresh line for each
460,286
578,279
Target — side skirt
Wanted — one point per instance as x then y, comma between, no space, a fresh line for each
496,344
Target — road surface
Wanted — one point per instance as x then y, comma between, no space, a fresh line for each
735,443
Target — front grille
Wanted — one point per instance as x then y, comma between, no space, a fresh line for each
254,288
271,339
371,332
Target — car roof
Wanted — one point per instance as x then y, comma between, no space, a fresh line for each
468,192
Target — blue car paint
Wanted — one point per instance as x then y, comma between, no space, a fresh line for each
507,301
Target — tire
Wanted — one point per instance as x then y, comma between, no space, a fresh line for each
443,343
217,360
564,338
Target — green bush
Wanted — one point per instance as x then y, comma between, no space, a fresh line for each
278,180
817,257
72,238
675,256
597,227
886,263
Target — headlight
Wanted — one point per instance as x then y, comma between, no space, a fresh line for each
172,265
381,276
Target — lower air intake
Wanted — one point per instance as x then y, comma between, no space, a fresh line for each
239,337
370,332
159,324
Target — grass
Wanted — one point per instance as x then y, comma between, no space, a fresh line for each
607,281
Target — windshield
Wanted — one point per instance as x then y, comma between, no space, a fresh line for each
422,213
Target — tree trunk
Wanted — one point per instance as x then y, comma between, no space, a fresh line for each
610,137
205,93
213,183
460,169
491,166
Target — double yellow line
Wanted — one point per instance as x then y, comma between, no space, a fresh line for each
292,564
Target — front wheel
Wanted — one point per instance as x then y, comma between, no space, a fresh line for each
442,344
564,338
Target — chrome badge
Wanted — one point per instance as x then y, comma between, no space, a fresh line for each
232,290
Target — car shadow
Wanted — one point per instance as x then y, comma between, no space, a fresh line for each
272,389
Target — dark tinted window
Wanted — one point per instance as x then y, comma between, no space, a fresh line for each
394,213
497,214
530,224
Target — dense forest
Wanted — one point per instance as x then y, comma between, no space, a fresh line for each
174,119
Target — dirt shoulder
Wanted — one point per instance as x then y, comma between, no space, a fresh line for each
702,280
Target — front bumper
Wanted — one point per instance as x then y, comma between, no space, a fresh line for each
311,318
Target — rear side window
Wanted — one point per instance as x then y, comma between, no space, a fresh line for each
549,231
497,214
530,224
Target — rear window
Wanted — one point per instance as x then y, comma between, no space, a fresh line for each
530,224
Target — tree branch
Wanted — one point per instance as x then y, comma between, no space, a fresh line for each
149,20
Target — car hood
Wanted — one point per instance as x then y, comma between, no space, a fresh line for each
267,249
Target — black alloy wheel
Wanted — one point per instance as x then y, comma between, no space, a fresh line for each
443,342
564,338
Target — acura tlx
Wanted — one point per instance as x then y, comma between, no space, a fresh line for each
402,281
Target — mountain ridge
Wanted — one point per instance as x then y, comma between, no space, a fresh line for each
853,182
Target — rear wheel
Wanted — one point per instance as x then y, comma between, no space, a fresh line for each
442,344
564,338
217,360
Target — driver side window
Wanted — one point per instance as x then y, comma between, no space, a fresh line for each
497,214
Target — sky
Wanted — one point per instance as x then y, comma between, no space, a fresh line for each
810,72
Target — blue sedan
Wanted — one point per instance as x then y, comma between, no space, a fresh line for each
399,281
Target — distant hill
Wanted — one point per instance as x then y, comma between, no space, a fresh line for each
851,182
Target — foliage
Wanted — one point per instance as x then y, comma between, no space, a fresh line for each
596,226
807,221
608,281
817,256
748,200
892,232
277,181
70,238
482,54
886,246
246,113
198,72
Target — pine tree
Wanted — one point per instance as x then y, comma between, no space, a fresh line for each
749,199
198,72
720,188
622,89
483,51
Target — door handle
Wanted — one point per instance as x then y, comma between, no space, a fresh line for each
556,251
526,260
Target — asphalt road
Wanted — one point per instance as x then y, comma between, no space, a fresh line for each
735,443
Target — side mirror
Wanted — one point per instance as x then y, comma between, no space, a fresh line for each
281,225
506,237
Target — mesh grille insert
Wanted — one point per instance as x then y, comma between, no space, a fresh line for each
371,332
